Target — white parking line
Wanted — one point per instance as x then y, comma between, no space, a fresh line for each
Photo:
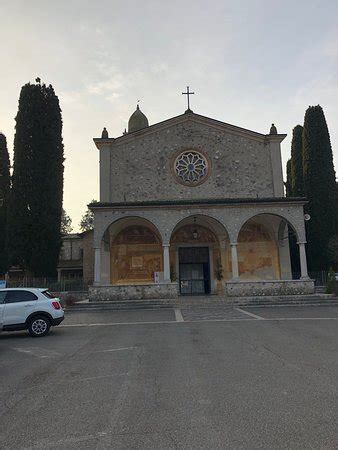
110,324
249,314
115,349
178,315
37,352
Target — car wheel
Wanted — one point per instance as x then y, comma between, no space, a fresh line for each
39,326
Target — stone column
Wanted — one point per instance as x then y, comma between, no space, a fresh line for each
212,271
222,248
234,261
303,262
97,267
166,263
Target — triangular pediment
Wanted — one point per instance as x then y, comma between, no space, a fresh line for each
194,119
197,119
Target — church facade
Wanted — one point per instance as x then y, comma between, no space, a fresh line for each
192,205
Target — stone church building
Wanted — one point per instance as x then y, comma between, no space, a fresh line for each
192,205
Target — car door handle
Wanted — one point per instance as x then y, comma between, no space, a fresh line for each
26,306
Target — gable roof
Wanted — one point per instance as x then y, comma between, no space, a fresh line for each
194,118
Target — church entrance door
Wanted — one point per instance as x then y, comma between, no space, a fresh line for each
194,270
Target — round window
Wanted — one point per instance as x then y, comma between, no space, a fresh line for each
191,167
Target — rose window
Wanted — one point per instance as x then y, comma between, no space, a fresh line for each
191,167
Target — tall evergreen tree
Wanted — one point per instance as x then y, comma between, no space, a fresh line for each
288,184
297,161
36,204
319,187
4,198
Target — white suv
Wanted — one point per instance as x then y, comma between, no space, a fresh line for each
32,309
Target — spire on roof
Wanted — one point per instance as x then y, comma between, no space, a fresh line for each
273,129
137,121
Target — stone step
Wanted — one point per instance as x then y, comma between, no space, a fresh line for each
185,302
119,308
320,289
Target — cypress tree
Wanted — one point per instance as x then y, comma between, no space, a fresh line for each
288,184
297,161
37,181
4,198
319,187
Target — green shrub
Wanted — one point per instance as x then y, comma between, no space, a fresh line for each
331,283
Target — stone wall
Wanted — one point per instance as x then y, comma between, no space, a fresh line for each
262,288
88,256
133,292
141,166
71,247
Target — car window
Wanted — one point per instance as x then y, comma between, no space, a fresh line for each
48,294
20,296
2,297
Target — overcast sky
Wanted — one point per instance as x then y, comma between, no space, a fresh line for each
250,63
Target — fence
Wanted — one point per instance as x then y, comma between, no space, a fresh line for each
76,285
319,277
50,283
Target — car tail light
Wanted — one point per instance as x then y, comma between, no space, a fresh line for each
56,305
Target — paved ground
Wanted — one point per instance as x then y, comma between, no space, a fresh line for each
191,379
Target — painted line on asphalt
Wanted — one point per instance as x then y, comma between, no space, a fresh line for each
109,324
250,314
114,323
115,349
178,315
37,352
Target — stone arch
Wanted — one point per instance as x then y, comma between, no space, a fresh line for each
210,248
208,221
135,250
103,226
283,219
118,225
257,250
263,259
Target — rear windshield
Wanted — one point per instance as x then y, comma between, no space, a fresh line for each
48,294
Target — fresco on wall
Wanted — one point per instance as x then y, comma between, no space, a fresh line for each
192,234
258,257
136,254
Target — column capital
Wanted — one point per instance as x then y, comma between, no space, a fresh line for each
301,242
166,244
233,244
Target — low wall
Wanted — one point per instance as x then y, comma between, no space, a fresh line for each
261,288
132,292
76,295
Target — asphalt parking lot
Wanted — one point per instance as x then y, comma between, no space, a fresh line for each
215,378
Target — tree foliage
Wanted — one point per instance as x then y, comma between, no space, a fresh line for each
319,187
87,221
331,283
66,223
36,201
288,184
4,198
297,162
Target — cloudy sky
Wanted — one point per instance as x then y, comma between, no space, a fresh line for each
250,63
